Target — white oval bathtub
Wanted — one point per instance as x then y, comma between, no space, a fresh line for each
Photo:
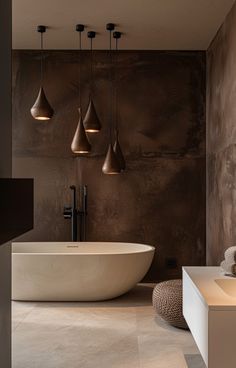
85,271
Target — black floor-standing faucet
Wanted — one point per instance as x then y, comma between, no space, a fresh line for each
72,213
83,212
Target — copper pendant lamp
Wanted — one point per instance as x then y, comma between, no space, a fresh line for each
91,120
80,142
118,153
41,110
117,147
111,164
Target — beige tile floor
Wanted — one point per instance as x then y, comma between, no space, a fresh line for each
122,333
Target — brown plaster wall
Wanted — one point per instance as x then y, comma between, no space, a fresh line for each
221,141
160,199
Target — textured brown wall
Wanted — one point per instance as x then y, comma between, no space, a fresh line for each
160,199
221,133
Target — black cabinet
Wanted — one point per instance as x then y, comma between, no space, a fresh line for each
16,208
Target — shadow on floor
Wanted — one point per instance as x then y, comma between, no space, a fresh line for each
194,361
139,296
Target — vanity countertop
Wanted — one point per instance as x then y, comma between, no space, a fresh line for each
217,291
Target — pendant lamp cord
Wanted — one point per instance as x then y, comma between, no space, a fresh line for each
41,59
115,91
91,67
79,86
111,93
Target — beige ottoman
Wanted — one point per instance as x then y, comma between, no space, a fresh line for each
167,301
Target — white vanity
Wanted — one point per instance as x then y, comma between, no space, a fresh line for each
209,307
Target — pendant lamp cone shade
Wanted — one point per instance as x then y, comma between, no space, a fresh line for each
119,154
80,143
111,163
42,110
91,121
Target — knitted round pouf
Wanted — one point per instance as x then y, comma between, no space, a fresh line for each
167,301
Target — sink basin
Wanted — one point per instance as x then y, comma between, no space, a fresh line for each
228,286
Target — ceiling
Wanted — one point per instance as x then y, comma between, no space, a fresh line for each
146,24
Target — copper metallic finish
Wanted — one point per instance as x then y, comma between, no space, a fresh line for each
91,121
80,143
42,110
111,164
119,154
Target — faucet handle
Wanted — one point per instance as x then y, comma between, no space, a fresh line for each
84,192
67,213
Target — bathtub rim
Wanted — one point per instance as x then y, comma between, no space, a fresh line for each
149,248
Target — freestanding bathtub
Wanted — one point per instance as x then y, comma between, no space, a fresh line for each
83,271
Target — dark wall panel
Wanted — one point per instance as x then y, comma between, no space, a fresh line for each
5,90
5,172
160,199
221,137
16,211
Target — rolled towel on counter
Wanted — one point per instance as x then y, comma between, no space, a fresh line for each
230,255
228,268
